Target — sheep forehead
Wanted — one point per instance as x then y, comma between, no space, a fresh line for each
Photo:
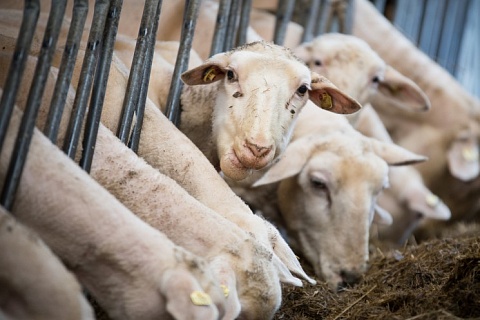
266,48
250,64
349,164
347,49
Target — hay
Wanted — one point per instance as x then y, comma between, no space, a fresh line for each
439,279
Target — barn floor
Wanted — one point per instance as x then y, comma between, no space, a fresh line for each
439,279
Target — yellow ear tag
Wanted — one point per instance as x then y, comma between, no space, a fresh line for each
200,298
326,102
225,289
432,200
209,75
470,154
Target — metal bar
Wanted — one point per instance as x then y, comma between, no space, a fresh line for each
284,15
311,16
86,77
189,20
17,66
325,19
429,40
220,32
451,36
79,14
100,84
349,14
320,16
232,25
27,126
137,71
408,15
244,22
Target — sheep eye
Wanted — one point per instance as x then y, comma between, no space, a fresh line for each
376,79
230,75
318,184
302,89
318,62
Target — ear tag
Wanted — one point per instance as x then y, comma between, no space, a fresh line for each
225,289
326,102
200,298
432,200
209,75
470,154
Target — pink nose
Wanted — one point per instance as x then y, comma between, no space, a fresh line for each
258,150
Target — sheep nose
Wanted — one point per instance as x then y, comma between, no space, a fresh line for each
258,150
349,278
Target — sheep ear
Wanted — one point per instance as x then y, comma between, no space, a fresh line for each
463,157
382,216
327,96
289,164
402,91
429,205
212,70
395,155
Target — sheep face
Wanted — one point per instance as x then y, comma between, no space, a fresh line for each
354,67
261,90
327,198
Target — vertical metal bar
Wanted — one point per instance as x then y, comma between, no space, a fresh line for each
220,32
320,18
37,88
17,65
349,14
79,15
325,17
137,70
451,35
284,15
244,22
86,77
429,40
142,96
311,15
100,84
189,20
232,25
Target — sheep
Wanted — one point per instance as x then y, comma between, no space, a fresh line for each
448,134
407,199
326,184
130,268
41,287
165,210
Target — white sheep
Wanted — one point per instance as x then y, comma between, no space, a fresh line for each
35,283
130,268
448,134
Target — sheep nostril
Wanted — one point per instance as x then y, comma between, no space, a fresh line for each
349,278
258,151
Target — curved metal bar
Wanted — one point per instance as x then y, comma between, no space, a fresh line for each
189,20
86,77
220,32
100,84
142,95
137,71
25,132
79,14
284,15
17,66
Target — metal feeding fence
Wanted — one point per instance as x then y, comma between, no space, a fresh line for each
418,19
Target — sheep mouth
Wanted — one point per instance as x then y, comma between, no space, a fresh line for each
233,168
